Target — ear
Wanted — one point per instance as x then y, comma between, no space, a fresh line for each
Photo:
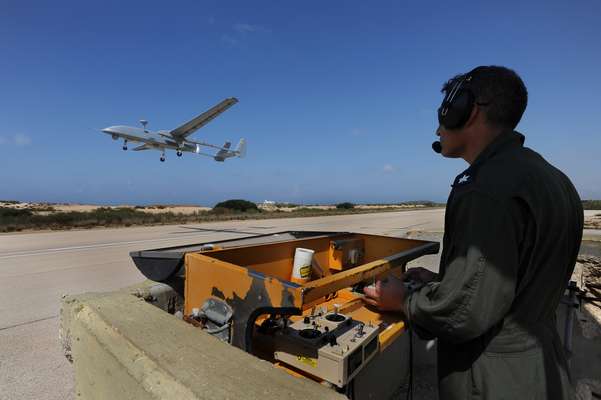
474,115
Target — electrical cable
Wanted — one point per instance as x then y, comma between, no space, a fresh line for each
219,329
410,383
350,390
250,323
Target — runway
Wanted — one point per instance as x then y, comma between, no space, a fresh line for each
36,269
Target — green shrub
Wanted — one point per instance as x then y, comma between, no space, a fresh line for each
591,204
237,205
46,208
345,206
221,211
301,210
424,203
7,212
286,205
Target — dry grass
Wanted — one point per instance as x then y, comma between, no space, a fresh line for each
15,216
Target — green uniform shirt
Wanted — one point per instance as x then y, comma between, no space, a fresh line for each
513,228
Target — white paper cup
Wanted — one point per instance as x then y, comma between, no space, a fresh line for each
301,268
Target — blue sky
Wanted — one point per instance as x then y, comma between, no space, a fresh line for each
337,99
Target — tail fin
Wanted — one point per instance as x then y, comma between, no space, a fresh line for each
241,148
224,152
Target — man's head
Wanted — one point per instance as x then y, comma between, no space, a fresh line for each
494,99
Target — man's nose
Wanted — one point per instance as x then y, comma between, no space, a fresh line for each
438,130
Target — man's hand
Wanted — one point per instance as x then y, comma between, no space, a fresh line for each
419,274
387,294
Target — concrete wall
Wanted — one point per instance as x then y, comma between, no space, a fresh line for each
125,348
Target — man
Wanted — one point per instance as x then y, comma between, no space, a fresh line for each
513,227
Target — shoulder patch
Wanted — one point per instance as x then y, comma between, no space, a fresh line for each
465,178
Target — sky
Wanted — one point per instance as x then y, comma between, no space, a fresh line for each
337,99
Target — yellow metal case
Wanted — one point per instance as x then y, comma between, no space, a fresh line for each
254,280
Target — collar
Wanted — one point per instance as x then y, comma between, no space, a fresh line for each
505,140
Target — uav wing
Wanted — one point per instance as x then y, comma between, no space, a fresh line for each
145,146
193,125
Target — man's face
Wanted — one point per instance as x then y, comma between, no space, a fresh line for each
452,142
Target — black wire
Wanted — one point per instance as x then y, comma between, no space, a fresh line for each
410,383
250,322
350,390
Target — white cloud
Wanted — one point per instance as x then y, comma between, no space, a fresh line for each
237,37
248,28
244,28
388,168
19,139
227,39
22,140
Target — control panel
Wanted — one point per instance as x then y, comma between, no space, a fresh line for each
328,345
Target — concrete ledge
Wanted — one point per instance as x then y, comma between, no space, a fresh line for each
125,348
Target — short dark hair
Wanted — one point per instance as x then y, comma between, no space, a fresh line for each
499,88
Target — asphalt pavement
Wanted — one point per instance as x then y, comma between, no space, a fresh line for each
36,269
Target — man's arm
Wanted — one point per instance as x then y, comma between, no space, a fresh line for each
478,287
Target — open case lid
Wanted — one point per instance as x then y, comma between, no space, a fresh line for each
164,263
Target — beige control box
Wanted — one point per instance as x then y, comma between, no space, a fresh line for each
330,346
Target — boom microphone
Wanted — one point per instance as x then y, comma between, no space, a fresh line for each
437,147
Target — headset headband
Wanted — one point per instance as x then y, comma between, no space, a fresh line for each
450,96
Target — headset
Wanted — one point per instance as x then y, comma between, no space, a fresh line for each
457,105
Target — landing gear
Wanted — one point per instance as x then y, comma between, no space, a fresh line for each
179,153
125,144
162,157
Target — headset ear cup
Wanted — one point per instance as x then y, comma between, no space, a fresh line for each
459,110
